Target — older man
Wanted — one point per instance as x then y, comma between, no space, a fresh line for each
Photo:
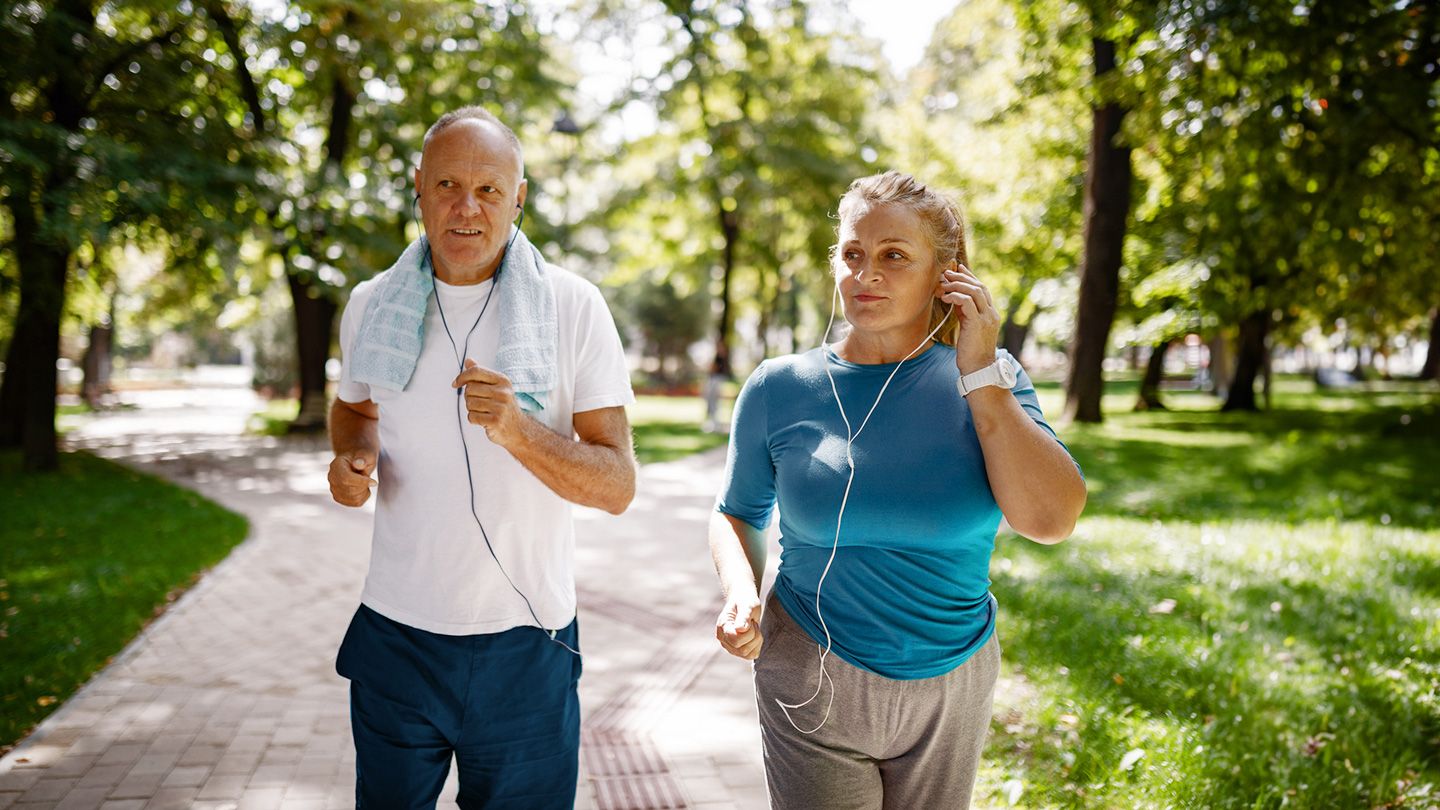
487,390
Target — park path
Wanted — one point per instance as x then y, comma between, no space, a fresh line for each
230,699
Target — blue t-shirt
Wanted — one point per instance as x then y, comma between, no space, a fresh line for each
908,595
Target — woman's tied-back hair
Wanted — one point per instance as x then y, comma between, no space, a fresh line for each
940,217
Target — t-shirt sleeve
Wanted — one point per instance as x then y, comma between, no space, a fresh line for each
348,390
602,378
1024,392
748,492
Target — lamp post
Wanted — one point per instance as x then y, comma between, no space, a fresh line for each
565,125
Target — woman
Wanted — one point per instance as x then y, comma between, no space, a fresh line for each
892,454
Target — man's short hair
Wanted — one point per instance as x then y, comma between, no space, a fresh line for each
477,113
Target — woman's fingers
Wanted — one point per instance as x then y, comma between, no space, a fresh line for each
966,303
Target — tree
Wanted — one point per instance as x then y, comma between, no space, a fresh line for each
990,113
1431,368
1107,207
108,119
762,126
1299,142
368,79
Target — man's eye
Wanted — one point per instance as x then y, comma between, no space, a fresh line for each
447,184
489,189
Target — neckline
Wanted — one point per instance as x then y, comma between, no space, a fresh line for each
830,355
463,291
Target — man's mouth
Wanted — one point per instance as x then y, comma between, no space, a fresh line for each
466,231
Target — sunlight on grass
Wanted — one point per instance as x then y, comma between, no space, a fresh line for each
76,584
668,428
1248,616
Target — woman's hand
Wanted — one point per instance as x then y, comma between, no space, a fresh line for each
979,319
738,627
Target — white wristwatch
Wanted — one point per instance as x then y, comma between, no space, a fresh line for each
999,373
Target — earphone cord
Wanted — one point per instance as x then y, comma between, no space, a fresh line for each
850,438
465,445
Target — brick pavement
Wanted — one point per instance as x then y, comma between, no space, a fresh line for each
230,699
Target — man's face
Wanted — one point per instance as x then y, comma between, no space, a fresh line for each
471,187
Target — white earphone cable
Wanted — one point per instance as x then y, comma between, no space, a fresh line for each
851,436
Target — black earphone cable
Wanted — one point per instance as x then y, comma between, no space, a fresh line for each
460,421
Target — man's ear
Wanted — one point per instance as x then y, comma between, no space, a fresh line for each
521,193
417,181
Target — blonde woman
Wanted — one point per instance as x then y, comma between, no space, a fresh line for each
892,454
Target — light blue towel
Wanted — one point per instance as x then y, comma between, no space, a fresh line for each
392,330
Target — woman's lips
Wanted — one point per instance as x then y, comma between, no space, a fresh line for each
867,298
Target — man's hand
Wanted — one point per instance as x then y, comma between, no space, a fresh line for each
490,403
738,627
352,477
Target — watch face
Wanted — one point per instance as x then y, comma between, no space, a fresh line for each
1007,373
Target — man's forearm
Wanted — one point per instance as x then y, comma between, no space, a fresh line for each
352,430
594,474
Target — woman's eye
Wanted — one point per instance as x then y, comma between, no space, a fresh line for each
895,256
850,255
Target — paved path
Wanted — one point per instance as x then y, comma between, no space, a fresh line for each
230,700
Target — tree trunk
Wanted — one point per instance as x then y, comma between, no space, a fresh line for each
730,230
314,308
314,324
1149,399
27,401
97,362
1107,205
1249,360
1219,366
1012,332
1431,369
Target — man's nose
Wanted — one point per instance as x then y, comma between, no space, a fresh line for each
468,204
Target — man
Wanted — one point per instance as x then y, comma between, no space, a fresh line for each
465,643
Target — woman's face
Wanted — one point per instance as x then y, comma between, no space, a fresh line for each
886,270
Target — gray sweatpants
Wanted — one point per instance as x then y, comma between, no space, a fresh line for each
887,745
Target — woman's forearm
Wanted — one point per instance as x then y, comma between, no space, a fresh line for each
738,550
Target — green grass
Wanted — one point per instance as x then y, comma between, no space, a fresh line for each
88,555
668,428
275,418
1250,610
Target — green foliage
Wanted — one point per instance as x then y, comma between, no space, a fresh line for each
1246,617
667,322
344,95
1290,152
79,583
130,135
763,125
987,116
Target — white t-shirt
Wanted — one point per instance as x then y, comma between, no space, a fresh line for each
429,565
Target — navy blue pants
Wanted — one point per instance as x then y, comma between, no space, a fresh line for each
504,705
